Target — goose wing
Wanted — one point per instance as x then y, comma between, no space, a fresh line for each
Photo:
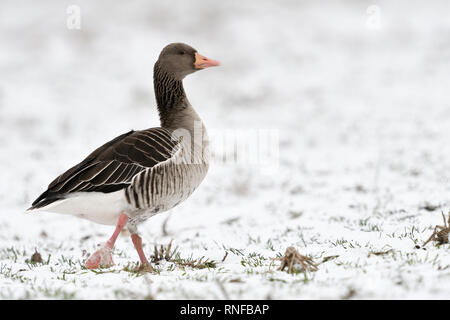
112,166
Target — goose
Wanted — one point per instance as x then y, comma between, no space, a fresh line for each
139,173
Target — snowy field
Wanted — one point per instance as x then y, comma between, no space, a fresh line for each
357,96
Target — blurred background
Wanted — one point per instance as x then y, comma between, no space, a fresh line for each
357,92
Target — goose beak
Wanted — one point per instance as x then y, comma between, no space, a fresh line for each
202,62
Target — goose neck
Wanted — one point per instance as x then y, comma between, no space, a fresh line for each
170,95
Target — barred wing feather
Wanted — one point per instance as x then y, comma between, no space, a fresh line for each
112,166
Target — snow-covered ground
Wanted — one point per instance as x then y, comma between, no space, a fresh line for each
359,104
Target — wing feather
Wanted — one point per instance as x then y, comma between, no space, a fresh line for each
112,166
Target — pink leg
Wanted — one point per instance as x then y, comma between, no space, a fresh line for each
137,241
103,256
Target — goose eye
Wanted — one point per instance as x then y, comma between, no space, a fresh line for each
182,52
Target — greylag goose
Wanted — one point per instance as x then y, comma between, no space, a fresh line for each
139,173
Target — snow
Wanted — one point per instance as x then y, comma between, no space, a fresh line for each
361,116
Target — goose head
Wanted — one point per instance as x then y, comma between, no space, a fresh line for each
179,60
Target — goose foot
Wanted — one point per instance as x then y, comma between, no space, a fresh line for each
144,267
101,258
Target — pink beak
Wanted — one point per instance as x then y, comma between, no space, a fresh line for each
202,62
